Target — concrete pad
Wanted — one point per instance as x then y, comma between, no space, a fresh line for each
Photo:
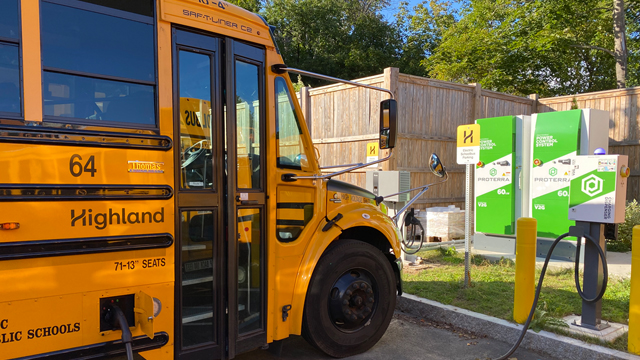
609,333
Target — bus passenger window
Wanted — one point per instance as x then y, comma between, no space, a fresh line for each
9,59
9,27
9,79
99,62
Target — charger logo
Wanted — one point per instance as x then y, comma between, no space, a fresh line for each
100,221
592,185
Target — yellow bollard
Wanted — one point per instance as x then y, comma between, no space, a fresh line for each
633,344
525,268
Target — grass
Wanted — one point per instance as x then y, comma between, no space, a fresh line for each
441,278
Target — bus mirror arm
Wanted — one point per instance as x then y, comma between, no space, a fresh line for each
422,189
294,177
282,68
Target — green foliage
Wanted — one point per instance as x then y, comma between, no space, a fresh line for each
422,31
451,251
543,320
548,47
251,5
341,38
625,230
298,85
633,42
574,103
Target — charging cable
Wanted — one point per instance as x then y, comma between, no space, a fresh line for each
120,321
577,232
411,222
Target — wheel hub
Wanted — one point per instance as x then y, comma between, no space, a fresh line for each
352,301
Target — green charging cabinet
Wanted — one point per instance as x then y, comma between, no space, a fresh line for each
495,210
557,138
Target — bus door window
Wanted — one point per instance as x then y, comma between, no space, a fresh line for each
195,120
247,125
247,87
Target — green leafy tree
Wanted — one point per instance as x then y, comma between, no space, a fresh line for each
251,5
632,13
549,47
342,38
421,30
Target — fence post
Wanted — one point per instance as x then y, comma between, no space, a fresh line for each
305,106
534,103
633,344
526,230
477,102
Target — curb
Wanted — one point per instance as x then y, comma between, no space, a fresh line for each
542,342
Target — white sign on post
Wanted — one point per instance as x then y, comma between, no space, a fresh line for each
468,154
468,144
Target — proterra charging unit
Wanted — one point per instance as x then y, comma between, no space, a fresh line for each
597,196
557,137
597,193
501,181
597,189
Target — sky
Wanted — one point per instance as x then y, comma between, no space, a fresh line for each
389,12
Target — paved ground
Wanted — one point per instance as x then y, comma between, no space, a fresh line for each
409,338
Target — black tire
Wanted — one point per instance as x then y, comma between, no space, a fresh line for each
355,272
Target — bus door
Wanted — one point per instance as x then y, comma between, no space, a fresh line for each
245,114
220,198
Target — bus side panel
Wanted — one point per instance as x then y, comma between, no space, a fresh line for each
40,325
57,276
38,164
48,324
86,219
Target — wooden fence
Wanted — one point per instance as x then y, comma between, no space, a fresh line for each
342,119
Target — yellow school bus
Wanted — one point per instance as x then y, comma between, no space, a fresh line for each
160,193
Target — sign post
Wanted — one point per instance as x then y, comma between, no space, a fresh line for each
468,154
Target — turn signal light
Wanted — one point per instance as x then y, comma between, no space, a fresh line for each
10,226
625,171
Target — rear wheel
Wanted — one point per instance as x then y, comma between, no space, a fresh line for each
350,301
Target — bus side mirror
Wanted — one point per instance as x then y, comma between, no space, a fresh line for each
436,166
388,123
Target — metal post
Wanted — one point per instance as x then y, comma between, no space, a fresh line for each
467,224
593,276
633,343
526,236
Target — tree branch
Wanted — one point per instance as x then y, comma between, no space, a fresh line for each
595,48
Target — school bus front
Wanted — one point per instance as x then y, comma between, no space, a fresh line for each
147,150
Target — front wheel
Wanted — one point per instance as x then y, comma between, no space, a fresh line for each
350,301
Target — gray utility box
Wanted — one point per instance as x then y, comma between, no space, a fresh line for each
384,183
